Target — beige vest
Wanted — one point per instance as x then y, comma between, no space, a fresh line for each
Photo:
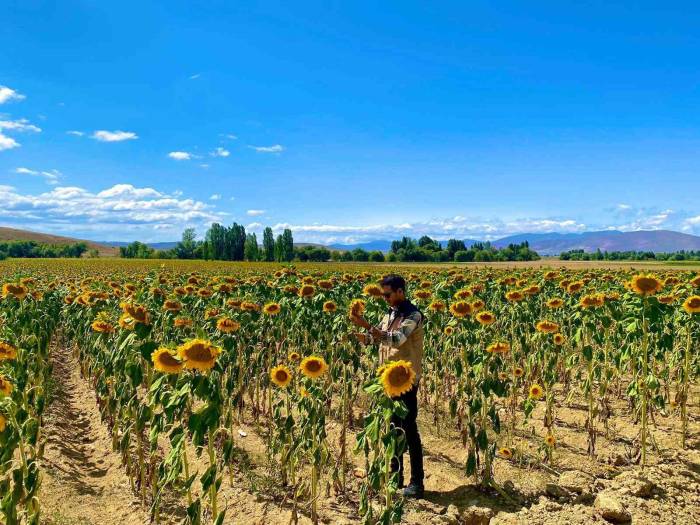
411,350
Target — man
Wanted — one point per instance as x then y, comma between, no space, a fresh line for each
400,336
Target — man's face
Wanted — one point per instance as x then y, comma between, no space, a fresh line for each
393,297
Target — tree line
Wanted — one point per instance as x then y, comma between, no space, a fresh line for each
598,255
34,249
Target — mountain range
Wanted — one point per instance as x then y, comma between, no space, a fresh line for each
543,243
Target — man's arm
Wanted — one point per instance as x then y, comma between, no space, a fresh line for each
395,338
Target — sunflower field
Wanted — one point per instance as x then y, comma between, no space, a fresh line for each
182,356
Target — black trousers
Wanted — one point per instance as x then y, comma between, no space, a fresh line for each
409,429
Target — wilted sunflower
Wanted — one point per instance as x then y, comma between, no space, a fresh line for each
505,452
357,308
485,318
199,354
397,378
137,312
536,391
15,290
499,347
372,290
307,291
646,284
102,326
5,386
227,326
313,366
692,304
555,302
592,301
461,309
329,307
281,376
7,351
547,327
550,440
165,360
559,339
272,309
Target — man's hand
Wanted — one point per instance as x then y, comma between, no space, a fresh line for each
362,338
359,321
377,334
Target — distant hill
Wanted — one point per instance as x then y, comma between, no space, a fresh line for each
12,234
657,241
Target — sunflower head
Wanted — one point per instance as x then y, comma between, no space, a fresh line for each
515,296
592,301
575,287
7,351
499,347
294,356
325,284
165,360
692,304
372,290
199,354
171,305
449,330
3,423
536,391
329,307
462,294
18,291
646,285
281,376
559,339
437,306
357,307
397,378
313,366
518,372
423,294
485,318
555,302
695,281
272,309
547,327
227,326
5,386
550,440
183,322
307,291
461,309
505,452
102,326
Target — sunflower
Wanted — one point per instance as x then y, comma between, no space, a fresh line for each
183,322
550,440
101,326
199,354
559,339
461,309
281,376
126,322
357,307
515,296
555,302
172,305
505,452
329,307
272,309
518,372
423,294
325,284
437,306
248,306
449,330
5,386
307,291
547,327
313,366
3,423
462,294
7,351
575,286
692,304
646,284
15,290
227,326
397,378
372,290
502,376
485,318
592,301
165,360
499,347
536,391
303,392
293,356
137,312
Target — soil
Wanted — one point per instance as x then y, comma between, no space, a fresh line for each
84,483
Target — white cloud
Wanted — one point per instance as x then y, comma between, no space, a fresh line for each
215,197
75,133
623,206
7,142
220,152
255,213
195,76
205,166
231,136
20,125
51,176
254,226
268,149
116,211
180,155
114,136
7,94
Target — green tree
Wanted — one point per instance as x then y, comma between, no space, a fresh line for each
268,244
251,250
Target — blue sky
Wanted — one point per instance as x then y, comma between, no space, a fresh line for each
349,121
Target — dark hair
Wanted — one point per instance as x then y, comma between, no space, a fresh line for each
394,281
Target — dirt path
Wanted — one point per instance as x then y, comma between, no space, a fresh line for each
83,482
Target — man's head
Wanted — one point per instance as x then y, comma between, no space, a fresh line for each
394,289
